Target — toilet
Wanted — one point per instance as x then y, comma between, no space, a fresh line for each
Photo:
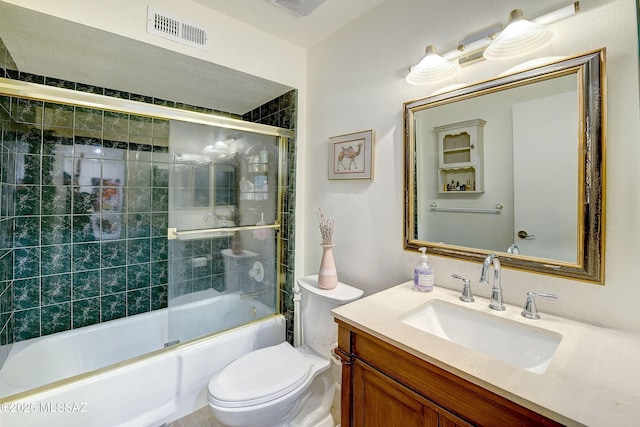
236,268
282,385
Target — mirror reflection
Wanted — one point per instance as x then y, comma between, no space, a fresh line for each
530,130
511,166
222,177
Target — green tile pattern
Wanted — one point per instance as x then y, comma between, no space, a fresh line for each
81,221
282,112
59,267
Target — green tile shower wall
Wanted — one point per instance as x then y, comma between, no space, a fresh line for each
80,257
282,112
6,255
6,252
55,274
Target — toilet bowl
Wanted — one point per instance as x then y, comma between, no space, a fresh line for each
282,385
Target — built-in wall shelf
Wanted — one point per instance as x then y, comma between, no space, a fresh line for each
460,157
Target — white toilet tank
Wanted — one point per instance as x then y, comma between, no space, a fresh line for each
319,331
236,269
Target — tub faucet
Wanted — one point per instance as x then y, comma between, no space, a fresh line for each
496,291
252,295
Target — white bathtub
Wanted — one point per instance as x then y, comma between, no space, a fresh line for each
146,392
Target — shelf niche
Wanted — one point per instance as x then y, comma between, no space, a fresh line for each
460,157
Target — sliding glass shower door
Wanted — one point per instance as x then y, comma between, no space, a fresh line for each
223,224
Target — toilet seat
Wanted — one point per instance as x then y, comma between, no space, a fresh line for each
260,376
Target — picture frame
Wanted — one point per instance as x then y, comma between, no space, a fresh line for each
351,155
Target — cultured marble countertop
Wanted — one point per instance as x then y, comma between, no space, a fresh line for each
593,378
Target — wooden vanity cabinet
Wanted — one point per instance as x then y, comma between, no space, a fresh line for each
387,387
380,401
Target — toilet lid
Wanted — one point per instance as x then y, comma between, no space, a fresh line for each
259,376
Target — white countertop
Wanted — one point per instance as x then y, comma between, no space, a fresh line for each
593,378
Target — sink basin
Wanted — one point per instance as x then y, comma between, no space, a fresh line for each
524,346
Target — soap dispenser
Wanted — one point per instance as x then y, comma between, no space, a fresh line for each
423,274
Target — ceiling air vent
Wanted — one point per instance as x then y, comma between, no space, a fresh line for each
176,29
302,8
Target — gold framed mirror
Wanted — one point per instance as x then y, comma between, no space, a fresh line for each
512,166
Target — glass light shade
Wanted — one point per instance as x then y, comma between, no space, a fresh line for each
519,38
431,68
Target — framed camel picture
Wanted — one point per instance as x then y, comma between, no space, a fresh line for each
351,156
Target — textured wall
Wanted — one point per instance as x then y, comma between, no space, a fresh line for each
356,82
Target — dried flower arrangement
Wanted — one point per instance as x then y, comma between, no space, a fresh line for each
235,215
326,227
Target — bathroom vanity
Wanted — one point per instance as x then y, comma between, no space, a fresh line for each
396,374
390,387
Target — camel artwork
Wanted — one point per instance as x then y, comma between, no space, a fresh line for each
351,156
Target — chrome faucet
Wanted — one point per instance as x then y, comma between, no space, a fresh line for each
466,296
496,291
530,310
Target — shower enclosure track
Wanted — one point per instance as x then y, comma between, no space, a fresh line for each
173,233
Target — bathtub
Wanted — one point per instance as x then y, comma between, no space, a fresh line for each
149,390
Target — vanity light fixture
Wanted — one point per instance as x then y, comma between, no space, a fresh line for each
471,48
492,43
432,68
519,38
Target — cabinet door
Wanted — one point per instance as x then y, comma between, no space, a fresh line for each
449,420
456,150
378,401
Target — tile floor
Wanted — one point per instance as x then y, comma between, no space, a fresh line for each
204,418
200,418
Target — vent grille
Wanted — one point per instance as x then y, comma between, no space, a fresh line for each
176,29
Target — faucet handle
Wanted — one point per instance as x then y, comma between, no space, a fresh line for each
530,311
466,296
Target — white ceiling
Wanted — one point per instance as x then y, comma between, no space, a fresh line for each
282,23
45,45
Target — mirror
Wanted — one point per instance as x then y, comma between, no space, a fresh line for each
513,166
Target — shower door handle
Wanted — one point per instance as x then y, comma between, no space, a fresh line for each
524,235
